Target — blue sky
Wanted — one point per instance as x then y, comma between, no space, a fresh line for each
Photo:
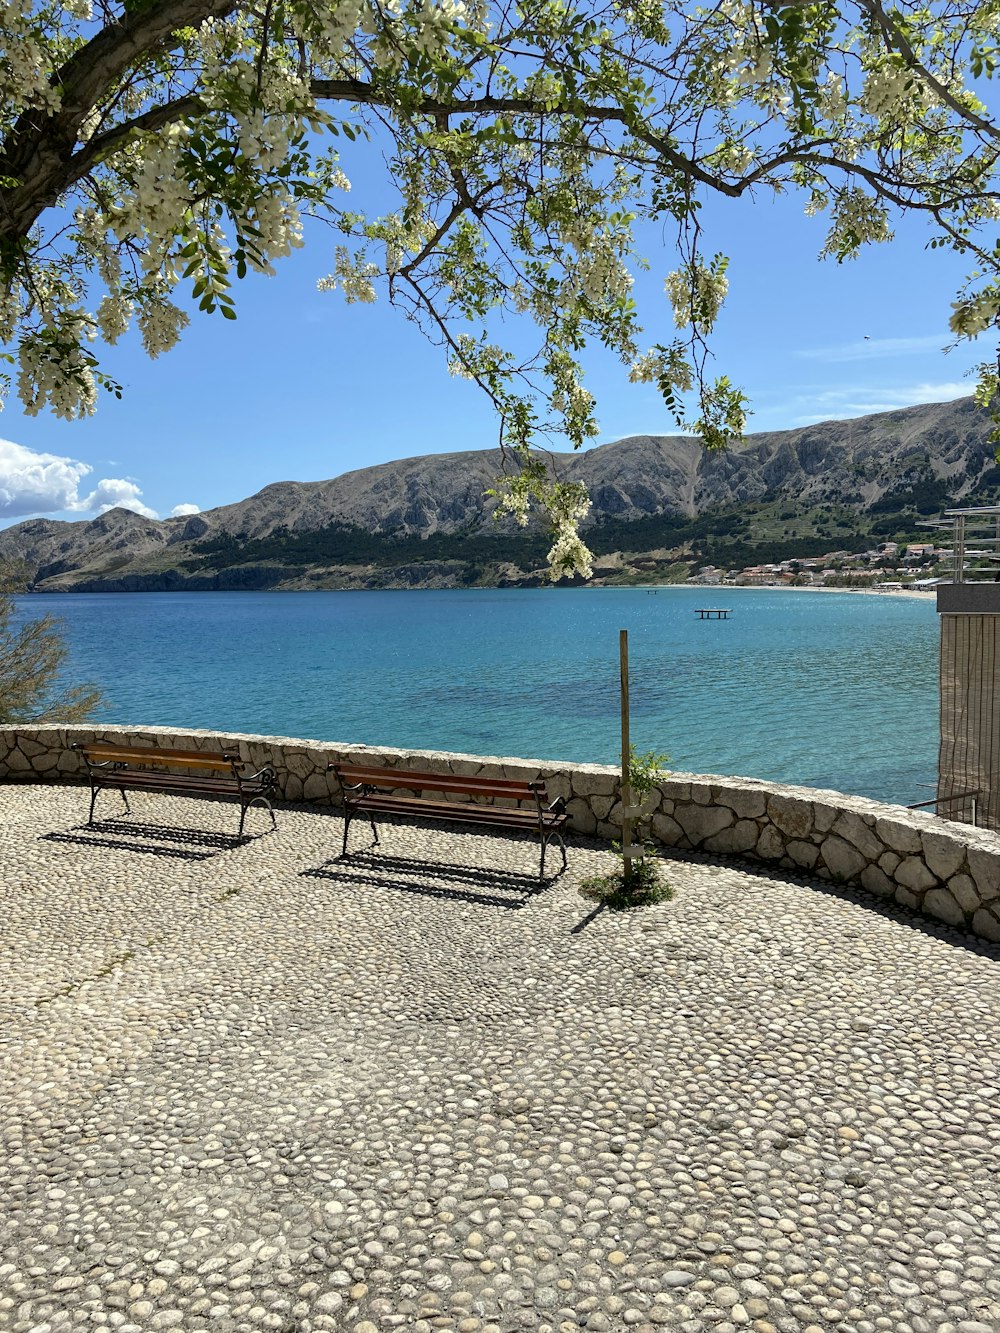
303,387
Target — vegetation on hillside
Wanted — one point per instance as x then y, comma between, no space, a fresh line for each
731,538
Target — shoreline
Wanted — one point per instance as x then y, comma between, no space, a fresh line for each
532,587
919,594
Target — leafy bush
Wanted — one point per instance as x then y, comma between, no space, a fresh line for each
30,661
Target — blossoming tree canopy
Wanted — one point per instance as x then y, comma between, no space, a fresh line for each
158,147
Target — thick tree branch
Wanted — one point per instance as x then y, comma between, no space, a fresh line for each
40,147
354,90
101,145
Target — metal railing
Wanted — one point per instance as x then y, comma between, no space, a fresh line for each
969,796
974,556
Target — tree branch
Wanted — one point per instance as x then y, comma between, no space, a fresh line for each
896,41
93,153
41,145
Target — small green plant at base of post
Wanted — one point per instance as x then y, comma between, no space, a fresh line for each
644,885
645,771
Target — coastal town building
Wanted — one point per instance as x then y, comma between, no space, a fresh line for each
879,565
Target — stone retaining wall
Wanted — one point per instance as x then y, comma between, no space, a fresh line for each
946,870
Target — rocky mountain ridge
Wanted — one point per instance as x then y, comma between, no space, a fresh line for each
940,450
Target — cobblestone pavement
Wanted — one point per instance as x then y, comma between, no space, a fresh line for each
245,1086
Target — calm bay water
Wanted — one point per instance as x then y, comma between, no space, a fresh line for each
815,688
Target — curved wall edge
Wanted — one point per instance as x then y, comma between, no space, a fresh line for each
939,868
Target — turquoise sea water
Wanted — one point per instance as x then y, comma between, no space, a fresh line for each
825,689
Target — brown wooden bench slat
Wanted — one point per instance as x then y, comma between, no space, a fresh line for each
471,810
124,768
149,755
167,781
370,789
405,780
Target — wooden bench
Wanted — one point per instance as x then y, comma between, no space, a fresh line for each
151,768
369,791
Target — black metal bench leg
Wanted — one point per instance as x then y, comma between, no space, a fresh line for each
545,842
257,800
347,825
93,801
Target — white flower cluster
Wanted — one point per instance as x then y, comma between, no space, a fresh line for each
459,370
515,501
267,101
276,218
114,315
25,61
977,313
599,273
893,92
833,96
159,195
696,293
733,156
11,311
428,25
653,367
329,27
567,505
160,324
759,66
568,555
55,372
818,203
570,398
402,233
352,274
858,219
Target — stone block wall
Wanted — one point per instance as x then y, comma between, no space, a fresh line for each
945,870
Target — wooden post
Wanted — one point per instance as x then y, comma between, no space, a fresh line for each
626,788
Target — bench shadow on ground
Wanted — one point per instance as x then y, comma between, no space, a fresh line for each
189,844
485,886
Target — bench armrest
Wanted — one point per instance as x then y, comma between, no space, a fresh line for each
266,776
356,788
111,764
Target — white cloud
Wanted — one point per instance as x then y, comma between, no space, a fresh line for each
33,483
181,511
113,493
865,349
40,483
860,402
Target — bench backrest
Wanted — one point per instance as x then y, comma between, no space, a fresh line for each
103,752
405,779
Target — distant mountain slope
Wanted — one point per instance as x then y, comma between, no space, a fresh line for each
433,509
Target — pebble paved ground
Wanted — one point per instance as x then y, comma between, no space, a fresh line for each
246,1087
